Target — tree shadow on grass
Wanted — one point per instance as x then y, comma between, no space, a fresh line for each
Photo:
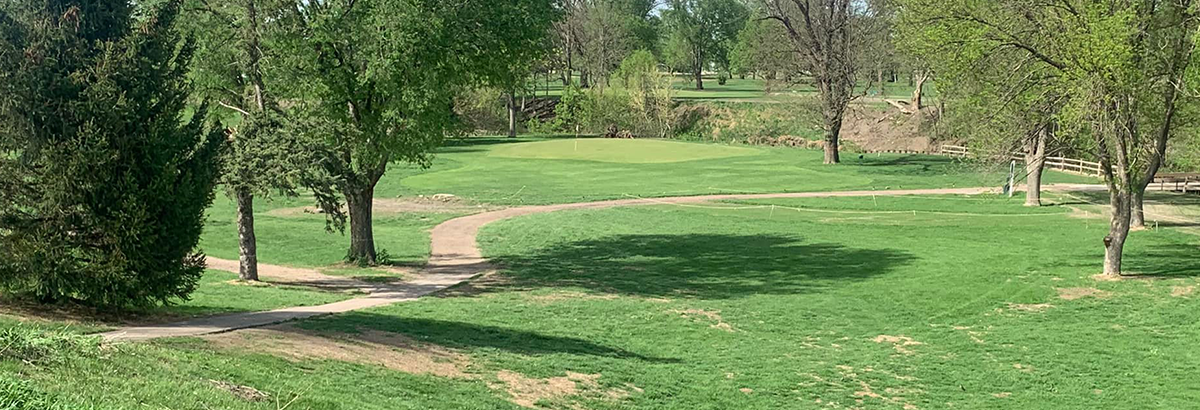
467,336
704,266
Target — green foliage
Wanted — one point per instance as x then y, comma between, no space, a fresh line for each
753,123
238,52
703,32
106,180
35,344
762,47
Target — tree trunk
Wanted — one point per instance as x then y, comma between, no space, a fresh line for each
1114,243
362,234
247,244
1035,162
1137,217
833,130
512,115
584,80
879,77
919,89
699,78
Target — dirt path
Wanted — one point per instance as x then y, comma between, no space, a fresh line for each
454,259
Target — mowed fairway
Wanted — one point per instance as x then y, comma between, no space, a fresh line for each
620,151
529,171
916,302
911,302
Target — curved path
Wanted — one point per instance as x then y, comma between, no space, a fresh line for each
455,258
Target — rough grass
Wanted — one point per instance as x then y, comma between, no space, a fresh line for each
970,302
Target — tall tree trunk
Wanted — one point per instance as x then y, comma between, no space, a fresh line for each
512,115
1035,162
247,243
833,131
919,89
362,234
699,79
879,77
585,80
1137,214
1114,243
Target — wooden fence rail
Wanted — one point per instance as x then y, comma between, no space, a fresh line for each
1075,166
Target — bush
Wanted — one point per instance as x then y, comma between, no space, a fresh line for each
751,123
483,110
641,105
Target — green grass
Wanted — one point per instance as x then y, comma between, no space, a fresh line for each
220,292
619,151
741,305
300,239
470,170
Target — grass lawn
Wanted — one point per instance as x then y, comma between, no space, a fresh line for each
530,171
908,302
288,236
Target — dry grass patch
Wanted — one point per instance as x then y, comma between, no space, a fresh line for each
1182,291
389,350
900,343
706,315
1079,293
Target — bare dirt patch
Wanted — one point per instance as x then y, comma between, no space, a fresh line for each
1079,293
391,350
1002,395
246,393
889,129
707,315
900,343
527,392
400,353
1030,307
1182,291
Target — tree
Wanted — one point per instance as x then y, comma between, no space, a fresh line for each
594,36
762,47
1003,102
264,156
827,37
1120,66
703,32
376,80
107,176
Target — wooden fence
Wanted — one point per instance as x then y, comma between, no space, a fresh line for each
1075,166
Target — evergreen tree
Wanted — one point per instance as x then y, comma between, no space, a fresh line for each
107,173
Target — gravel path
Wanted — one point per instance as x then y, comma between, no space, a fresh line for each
455,258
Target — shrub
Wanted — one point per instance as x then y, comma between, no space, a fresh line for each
483,110
751,123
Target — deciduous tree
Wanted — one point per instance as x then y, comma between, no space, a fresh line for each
376,80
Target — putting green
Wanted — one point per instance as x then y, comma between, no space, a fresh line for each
622,151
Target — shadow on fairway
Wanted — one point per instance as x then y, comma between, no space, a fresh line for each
698,266
459,335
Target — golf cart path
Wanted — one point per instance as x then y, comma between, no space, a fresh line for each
455,258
